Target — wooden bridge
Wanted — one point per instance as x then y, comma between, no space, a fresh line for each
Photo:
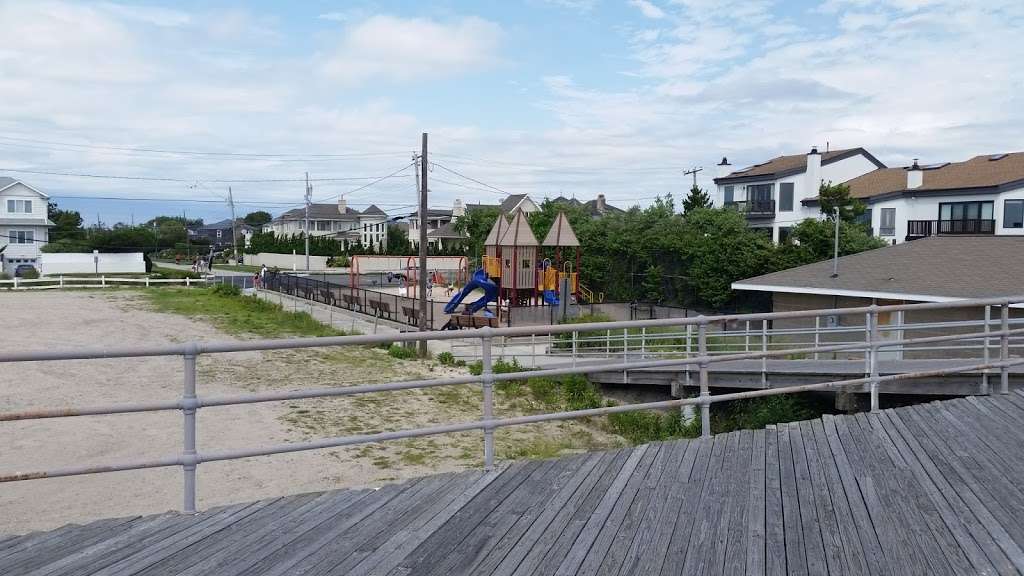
928,489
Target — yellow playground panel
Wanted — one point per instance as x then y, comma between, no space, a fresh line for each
492,265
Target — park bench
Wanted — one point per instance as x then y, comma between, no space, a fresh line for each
380,308
462,321
412,315
351,302
328,297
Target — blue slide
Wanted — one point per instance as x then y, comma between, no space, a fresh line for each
551,297
479,280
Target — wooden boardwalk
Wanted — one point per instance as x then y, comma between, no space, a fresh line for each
929,489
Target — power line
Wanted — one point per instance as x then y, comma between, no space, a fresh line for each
446,169
189,180
394,174
202,153
565,169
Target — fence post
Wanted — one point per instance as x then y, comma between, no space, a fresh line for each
867,345
705,407
147,282
1004,348
746,336
487,379
573,348
689,335
625,354
188,281
607,343
62,280
988,342
643,343
764,348
188,408
533,350
103,281
817,335
873,341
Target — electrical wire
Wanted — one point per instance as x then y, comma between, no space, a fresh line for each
461,175
186,180
394,174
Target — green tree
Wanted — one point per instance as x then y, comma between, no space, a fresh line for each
697,198
398,240
68,223
814,240
258,218
477,223
832,196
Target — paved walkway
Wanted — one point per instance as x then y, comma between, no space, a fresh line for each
930,489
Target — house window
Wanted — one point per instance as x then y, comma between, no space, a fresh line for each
729,194
526,264
1013,214
219,233
785,235
21,237
786,197
19,206
887,224
973,217
323,225
865,220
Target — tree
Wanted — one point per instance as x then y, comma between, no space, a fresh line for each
696,199
477,223
258,218
832,196
814,240
68,223
398,240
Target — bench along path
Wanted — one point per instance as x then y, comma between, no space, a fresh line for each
929,489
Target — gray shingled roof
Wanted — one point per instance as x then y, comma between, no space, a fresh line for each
448,231
936,268
26,222
509,204
781,166
6,181
329,212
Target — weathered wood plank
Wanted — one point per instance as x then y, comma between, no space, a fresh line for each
854,559
809,521
775,530
796,552
734,559
677,530
706,510
755,527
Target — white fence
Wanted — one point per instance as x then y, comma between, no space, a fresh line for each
93,282
52,263
286,261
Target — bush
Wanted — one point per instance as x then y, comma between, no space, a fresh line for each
448,359
227,290
30,274
338,261
498,367
401,352
650,426
5,276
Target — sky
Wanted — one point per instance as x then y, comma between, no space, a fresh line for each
180,100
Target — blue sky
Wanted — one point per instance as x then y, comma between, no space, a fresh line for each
547,97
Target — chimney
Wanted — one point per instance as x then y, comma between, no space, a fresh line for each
342,206
458,210
724,168
915,176
813,171
600,205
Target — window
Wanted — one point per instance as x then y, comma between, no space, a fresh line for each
323,225
1013,214
219,233
21,237
785,235
973,217
19,206
786,197
526,264
759,192
887,223
729,194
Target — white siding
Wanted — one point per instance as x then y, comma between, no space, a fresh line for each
927,208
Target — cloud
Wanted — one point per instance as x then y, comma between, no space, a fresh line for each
648,9
154,15
403,49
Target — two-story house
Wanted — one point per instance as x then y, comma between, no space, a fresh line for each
437,219
981,196
219,234
368,227
24,226
772,195
597,207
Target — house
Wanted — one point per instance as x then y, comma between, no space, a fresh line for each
935,269
772,194
983,195
368,227
597,207
510,204
219,235
24,226
437,219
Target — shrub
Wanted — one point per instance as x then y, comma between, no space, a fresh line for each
338,261
650,426
227,290
448,359
30,274
5,276
498,367
401,352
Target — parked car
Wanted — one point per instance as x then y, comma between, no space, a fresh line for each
26,270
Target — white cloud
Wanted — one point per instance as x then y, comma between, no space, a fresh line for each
399,49
648,9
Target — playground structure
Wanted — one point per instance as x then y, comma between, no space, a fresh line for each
513,265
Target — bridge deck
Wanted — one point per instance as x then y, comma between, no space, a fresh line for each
927,489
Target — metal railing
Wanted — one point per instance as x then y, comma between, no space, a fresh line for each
56,282
191,401
753,208
925,228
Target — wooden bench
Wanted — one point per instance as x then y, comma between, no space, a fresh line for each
351,302
462,321
412,315
380,308
328,297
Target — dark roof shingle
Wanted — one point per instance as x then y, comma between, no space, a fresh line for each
793,164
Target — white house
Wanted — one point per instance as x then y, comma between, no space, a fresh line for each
368,227
437,219
24,226
774,194
981,196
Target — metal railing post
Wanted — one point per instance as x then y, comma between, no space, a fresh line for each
625,354
533,350
689,336
487,380
988,342
867,344
764,348
705,406
643,343
873,342
607,343
573,348
817,334
188,403
746,337
1004,349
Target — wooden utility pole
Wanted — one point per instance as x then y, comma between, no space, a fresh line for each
694,172
309,192
423,245
234,225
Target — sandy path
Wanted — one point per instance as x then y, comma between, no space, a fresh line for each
68,319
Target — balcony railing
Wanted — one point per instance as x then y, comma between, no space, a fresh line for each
754,208
923,228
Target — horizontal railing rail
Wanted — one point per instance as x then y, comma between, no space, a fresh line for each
92,282
190,401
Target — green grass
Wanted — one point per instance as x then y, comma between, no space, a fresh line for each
237,267
173,273
401,352
237,314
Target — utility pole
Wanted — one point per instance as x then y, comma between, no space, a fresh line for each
835,253
694,172
309,192
188,244
234,225
423,245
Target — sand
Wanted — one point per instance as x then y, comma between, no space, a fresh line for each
60,320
